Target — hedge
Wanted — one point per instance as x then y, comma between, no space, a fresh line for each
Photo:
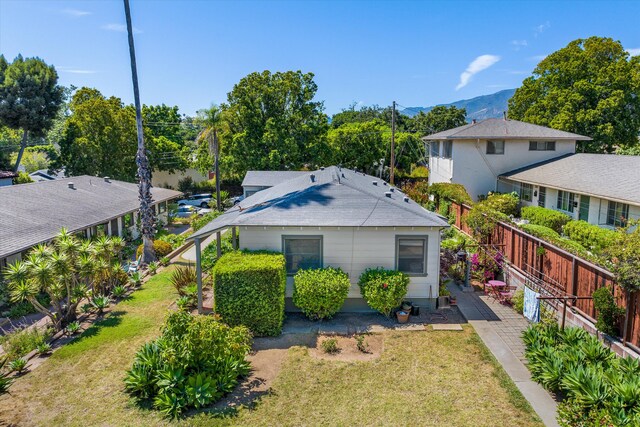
590,236
549,235
320,292
249,290
449,191
383,290
504,203
160,247
546,217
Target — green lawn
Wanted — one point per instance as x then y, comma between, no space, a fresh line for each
422,378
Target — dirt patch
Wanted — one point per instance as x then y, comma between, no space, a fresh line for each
348,349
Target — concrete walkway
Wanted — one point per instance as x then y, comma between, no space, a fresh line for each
190,253
500,328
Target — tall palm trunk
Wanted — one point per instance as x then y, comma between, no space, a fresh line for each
147,215
217,169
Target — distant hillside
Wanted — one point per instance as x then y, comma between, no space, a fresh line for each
479,108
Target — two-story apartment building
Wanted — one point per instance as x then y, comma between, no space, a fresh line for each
602,189
476,154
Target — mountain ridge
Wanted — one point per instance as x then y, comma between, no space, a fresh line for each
479,108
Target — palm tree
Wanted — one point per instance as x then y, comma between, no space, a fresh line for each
147,214
211,121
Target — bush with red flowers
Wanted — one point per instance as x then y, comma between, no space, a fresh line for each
383,290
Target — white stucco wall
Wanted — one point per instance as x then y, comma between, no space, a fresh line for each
166,179
353,250
478,171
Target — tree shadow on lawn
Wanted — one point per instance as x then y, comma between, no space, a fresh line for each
113,319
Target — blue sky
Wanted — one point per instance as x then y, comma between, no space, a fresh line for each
418,53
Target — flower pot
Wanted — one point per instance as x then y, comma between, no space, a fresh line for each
443,302
453,300
403,316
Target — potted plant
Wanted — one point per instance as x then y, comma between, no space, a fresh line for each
443,298
403,316
406,306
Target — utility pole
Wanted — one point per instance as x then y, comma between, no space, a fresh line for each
393,143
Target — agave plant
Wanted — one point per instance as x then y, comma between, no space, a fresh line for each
43,348
73,328
118,291
153,267
86,308
135,279
101,302
18,366
164,261
183,279
5,379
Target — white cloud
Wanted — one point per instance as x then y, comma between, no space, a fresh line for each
75,12
482,62
72,70
519,44
541,28
120,28
634,52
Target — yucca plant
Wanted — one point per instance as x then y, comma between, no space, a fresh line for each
18,366
101,302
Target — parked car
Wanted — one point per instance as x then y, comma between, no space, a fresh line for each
204,211
201,200
236,200
184,211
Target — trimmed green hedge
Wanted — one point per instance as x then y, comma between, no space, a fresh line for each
547,234
383,290
546,217
590,236
504,203
249,289
449,191
320,292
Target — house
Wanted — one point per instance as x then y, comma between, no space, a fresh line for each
476,154
255,181
166,179
6,178
602,189
46,175
339,218
89,206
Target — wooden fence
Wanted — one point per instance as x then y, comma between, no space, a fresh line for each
566,273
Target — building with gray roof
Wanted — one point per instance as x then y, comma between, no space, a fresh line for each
603,189
340,218
255,181
476,154
34,213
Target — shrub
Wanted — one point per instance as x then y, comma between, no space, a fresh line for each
185,280
175,240
18,343
73,328
210,253
418,191
330,346
153,267
196,360
546,217
506,204
249,289
5,378
449,191
200,221
547,234
383,290
44,348
361,344
18,366
118,291
321,292
517,300
161,248
100,302
590,236
482,219
608,313
444,207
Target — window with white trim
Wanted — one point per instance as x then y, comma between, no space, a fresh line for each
542,146
302,252
495,147
617,214
542,196
566,201
434,148
411,255
447,148
526,190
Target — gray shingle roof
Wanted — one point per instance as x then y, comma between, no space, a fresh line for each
336,197
34,213
269,178
503,129
608,176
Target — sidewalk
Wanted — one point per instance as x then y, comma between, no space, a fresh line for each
500,328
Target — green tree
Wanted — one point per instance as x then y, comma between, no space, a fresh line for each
208,143
29,97
162,120
273,123
590,87
440,118
360,145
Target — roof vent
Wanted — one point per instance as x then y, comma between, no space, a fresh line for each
107,179
71,186
406,199
504,115
392,189
388,194
313,178
342,174
321,168
374,182
384,182
474,121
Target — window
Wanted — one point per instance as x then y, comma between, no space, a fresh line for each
162,207
434,148
411,255
302,252
495,147
542,146
525,192
565,201
542,196
617,214
447,147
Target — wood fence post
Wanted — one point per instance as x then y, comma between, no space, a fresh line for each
574,277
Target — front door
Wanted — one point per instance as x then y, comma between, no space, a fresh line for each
583,214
